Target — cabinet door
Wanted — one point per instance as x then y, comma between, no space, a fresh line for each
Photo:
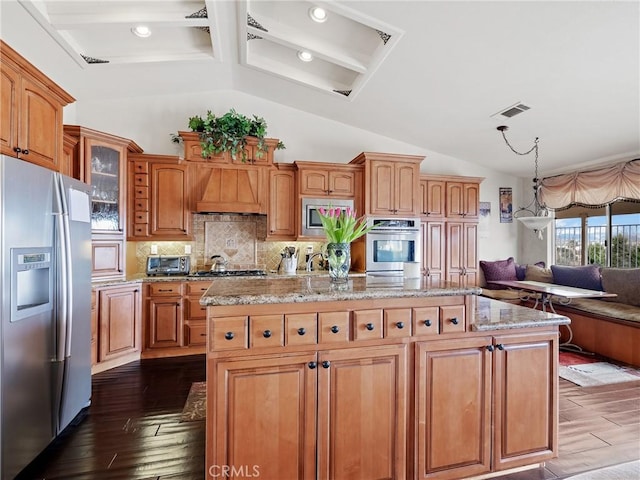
107,258
10,97
263,416
463,200
362,411
382,187
433,251
453,405
462,253
471,193
433,198
526,399
282,211
342,184
169,200
119,321
106,175
165,326
314,182
40,130
405,196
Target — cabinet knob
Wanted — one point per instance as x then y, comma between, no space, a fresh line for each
229,335
266,333
400,324
454,320
312,365
369,326
427,323
301,331
326,364
335,329
500,346
490,348
17,149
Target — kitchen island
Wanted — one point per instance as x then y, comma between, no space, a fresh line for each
375,379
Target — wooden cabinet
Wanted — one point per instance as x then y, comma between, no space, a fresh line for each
100,159
494,379
119,327
233,188
195,315
353,400
252,154
432,197
319,180
282,213
433,236
391,184
163,320
158,198
31,113
463,200
462,253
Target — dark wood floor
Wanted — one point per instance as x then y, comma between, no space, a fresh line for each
133,429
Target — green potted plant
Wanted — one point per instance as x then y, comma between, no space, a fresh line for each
228,133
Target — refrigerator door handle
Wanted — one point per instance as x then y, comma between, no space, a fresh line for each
66,243
63,308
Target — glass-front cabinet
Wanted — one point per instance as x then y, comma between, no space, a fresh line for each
100,160
106,192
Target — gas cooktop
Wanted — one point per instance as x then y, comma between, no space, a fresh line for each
229,273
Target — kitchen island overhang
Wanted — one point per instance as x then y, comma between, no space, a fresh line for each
306,380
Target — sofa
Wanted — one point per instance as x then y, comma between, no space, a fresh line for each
609,327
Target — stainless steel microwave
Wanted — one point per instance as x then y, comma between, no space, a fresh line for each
311,224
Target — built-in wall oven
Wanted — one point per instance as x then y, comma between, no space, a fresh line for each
311,224
391,243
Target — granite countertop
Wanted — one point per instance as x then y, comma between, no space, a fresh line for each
310,288
496,315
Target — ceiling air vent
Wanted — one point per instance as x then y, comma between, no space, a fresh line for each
513,110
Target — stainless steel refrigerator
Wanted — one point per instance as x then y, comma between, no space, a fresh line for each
45,327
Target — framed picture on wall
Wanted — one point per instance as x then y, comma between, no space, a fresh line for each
506,205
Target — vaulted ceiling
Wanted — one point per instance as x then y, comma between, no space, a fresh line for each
434,74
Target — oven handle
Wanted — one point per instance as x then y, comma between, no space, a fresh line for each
413,231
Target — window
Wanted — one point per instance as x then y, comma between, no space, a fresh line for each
607,236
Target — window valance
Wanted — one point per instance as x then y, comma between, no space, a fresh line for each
592,188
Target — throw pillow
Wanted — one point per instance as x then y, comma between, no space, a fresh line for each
624,282
538,274
498,270
521,270
586,276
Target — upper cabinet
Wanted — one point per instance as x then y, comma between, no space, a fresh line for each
100,160
158,198
453,197
31,113
463,200
432,197
391,184
281,215
319,180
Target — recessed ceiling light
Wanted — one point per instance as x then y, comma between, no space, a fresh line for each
305,55
141,31
318,14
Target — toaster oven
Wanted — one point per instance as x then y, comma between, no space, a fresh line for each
168,265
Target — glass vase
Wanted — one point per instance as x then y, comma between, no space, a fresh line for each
339,259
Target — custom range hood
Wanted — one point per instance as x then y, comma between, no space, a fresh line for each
232,190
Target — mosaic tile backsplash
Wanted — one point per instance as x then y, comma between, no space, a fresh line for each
238,238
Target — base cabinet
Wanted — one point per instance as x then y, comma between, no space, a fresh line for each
349,406
118,321
508,382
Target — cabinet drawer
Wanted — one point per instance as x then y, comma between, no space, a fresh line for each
229,333
141,205
197,288
426,321
452,319
196,333
141,229
141,167
141,180
367,324
301,329
333,327
141,192
165,288
266,331
397,323
141,217
195,311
